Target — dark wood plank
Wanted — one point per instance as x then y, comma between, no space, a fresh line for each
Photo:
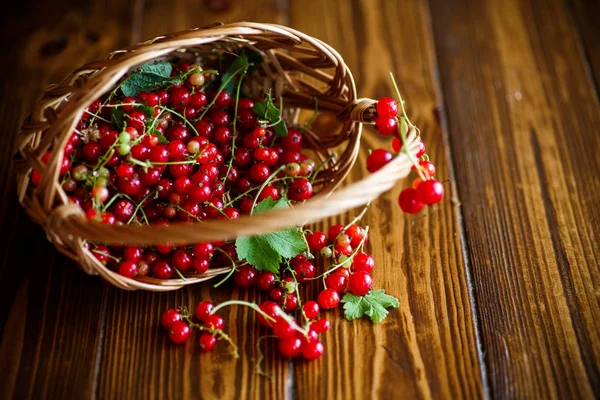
524,117
586,14
136,349
51,311
427,348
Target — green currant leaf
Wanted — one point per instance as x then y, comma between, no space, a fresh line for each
148,77
240,64
266,110
374,304
265,252
117,118
257,251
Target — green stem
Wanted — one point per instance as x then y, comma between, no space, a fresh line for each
235,114
265,183
232,267
221,88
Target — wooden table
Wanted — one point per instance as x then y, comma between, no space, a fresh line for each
499,286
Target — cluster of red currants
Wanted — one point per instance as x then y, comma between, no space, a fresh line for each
188,152
425,190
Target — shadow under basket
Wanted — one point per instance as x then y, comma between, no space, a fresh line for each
299,68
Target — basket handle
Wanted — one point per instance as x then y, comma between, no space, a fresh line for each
69,221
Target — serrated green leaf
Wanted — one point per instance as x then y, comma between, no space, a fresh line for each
267,110
373,304
353,307
288,242
258,253
161,138
147,78
160,68
270,204
238,65
117,118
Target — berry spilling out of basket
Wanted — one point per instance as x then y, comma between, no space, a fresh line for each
182,143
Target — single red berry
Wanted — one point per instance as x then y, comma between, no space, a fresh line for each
316,241
290,303
132,253
360,283
268,191
169,317
101,253
179,332
312,350
377,159
304,271
328,299
215,321
270,308
301,189
266,280
430,192
427,167
283,330
223,99
162,269
128,269
362,262
204,250
321,325
200,264
181,259
245,276
179,97
336,282
276,294
311,309
334,231
123,210
291,347
203,310
198,100
293,140
91,151
387,126
220,117
177,149
207,342
387,107
408,201
259,172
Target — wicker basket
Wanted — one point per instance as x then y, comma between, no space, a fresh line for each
295,66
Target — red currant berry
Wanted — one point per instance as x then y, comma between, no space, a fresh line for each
200,264
169,317
421,149
328,299
245,276
132,253
207,342
270,308
283,330
179,98
386,126
266,280
377,159
91,151
162,269
179,332
362,262
334,231
203,310
198,100
408,201
204,250
387,107
276,294
316,241
396,144
290,303
259,172
311,309
128,269
430,192
301,189
312,350
336,282
304,271
291,347
181,259
293,140
215,322
428,168
360,283
321,325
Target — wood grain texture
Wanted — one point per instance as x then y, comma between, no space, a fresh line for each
51,311
427,348
524,117
586,14
136,349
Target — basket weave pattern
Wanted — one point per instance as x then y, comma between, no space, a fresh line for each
296,66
